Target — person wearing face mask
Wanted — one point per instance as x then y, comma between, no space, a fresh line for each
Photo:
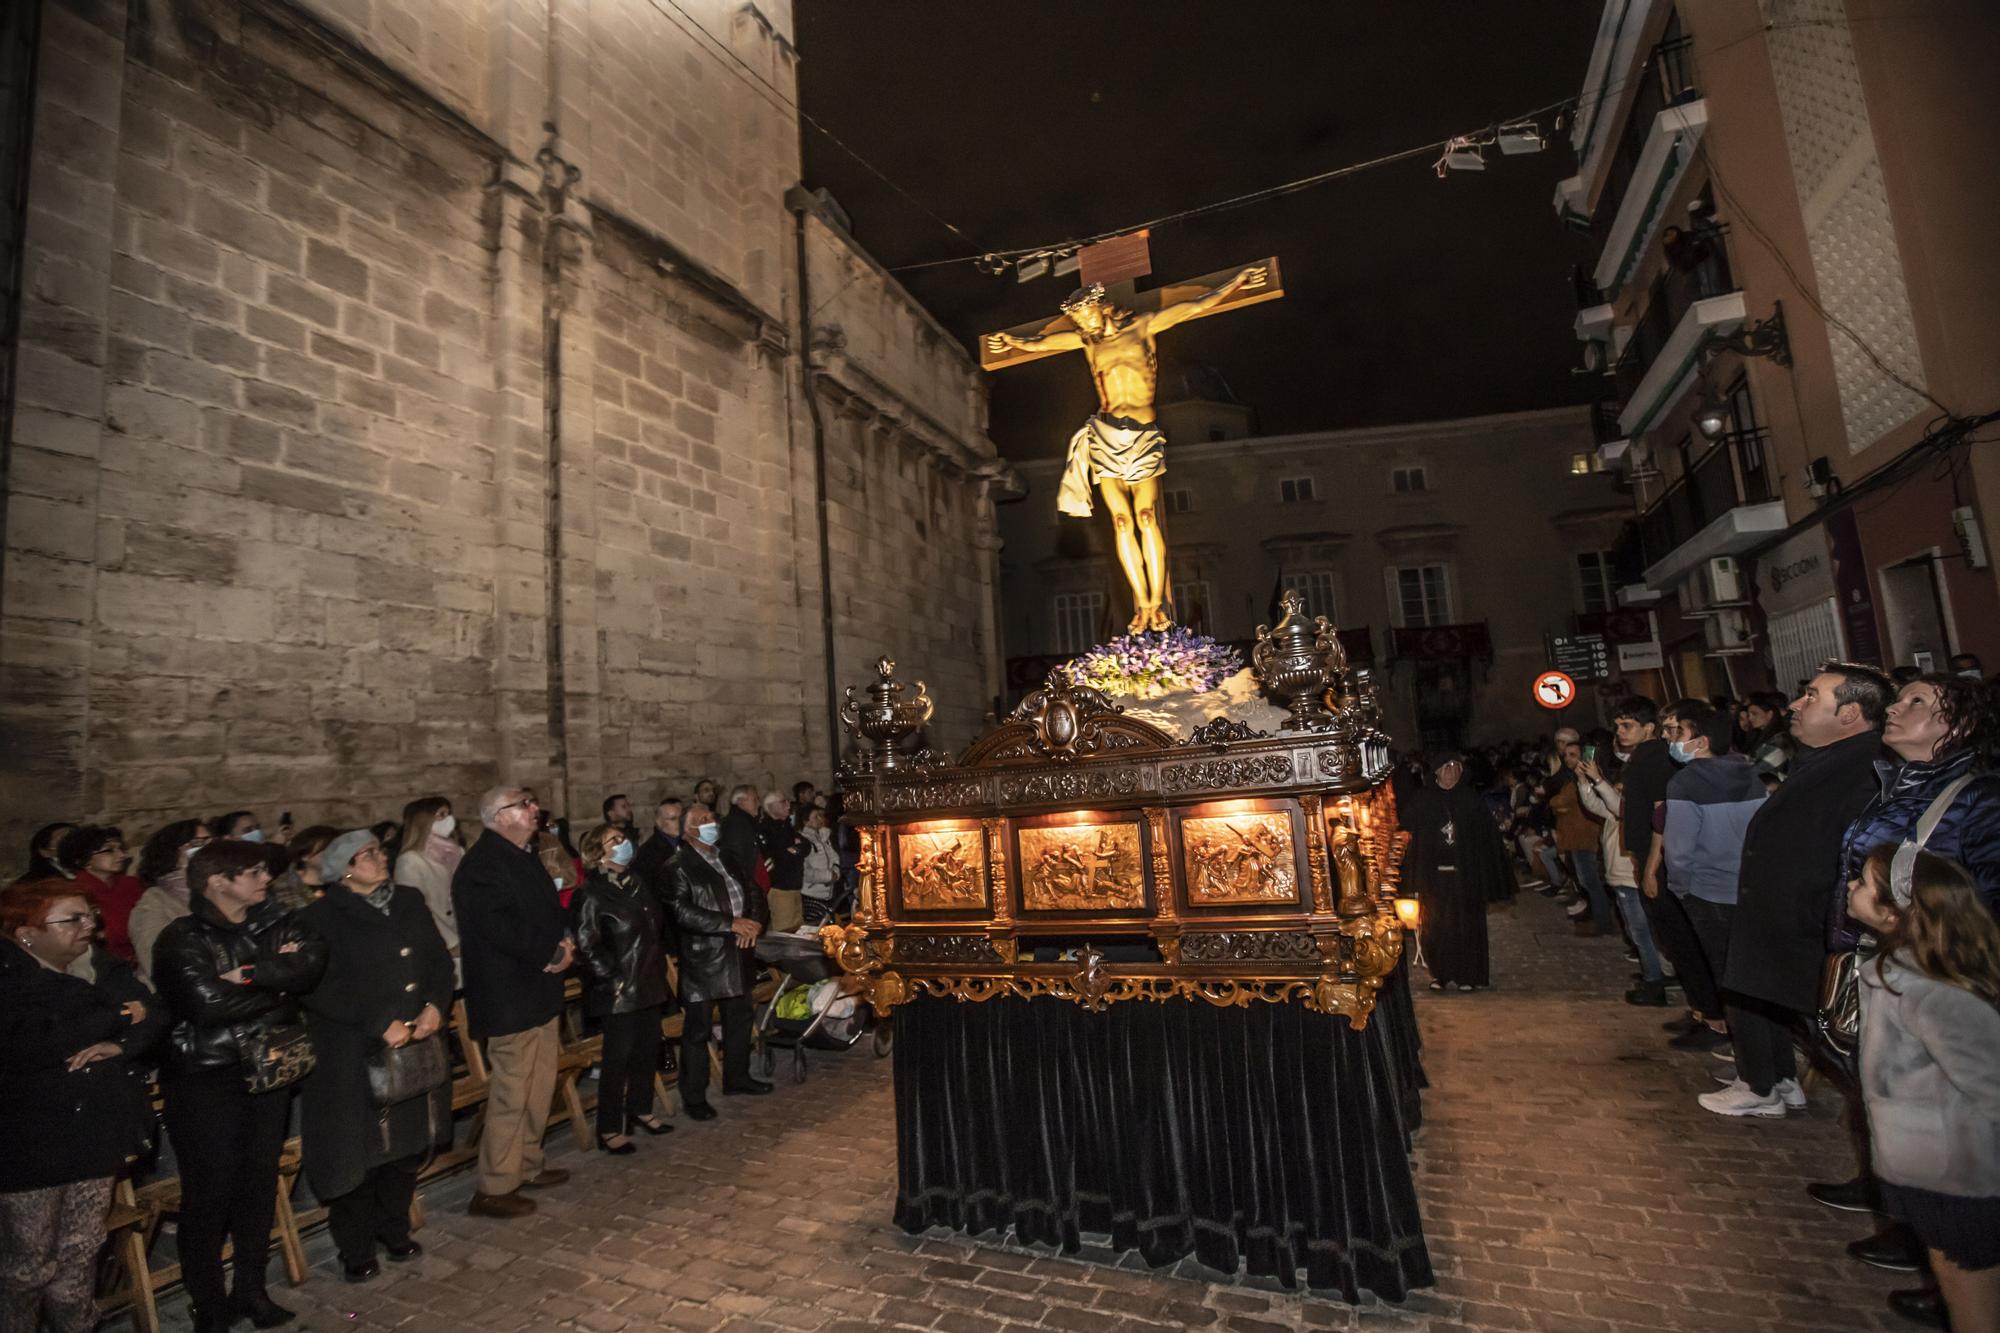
238,826
1966,666
821,869
618,922
163,863
1699,854
300,885
73,1107
719,919
98,853
431,852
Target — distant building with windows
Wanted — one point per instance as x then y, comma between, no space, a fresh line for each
1787,276
1446,552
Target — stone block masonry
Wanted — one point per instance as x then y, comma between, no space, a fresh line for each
412,398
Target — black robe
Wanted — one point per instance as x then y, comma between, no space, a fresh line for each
1455,864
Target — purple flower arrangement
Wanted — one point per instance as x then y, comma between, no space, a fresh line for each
1156,662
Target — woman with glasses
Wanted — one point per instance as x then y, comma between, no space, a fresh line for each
231,972
163,865
387,984
618,922
73,1105
97,853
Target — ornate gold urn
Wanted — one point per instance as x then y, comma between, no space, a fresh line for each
1079,853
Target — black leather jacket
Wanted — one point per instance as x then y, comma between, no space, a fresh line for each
212,1017
618,925
711,964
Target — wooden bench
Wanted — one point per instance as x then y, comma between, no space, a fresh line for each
137,1212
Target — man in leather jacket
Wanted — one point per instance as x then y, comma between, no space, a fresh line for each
719,917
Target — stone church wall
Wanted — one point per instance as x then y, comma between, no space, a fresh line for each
374,440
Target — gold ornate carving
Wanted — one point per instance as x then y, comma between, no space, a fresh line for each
1081,867
1311,807
1064,721
996,870
942,870
1163,861
1246,858
1352,868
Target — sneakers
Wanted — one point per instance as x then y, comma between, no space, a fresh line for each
1789,1091
1737,1099
1650,994
1577,908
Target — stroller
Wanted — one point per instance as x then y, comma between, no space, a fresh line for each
825,1021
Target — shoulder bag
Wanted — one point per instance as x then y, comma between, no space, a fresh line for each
1837,1026
276,1057
397,1074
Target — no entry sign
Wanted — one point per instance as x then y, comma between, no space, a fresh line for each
1553,689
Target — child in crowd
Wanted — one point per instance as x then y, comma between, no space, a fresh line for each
1930,1067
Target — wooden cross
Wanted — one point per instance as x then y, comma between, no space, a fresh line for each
1125,296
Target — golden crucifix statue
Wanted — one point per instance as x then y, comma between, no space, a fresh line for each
1120,449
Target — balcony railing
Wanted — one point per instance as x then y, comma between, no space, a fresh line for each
1736,471
1587,292
1698,270
1604,422
1665,80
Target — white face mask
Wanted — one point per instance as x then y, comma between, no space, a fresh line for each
443,826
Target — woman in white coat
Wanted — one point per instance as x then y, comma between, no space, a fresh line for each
431,852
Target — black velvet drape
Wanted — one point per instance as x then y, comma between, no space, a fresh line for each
1268,1135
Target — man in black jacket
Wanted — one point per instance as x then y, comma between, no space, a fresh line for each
1791,870
719,918
1648,768
650,861
741,848
515,946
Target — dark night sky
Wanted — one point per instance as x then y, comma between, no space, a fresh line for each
1407,298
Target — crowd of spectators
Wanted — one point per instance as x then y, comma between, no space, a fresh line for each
1819,876
305,978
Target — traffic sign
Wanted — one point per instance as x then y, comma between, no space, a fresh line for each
1554,690
1580,656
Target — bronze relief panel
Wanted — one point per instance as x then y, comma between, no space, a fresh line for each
1082,868
942,870
1240,858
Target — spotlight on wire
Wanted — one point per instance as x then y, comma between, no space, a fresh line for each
1522,137
1460,154
1034,266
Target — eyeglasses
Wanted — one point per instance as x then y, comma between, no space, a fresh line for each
68,920
528,800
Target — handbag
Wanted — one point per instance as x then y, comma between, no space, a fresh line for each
397,1074
277,1057
1837,1025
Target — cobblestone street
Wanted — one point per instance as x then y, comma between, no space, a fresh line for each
1568,1180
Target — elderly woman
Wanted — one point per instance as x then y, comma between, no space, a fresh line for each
163,865
72,1104
387,984
230,972
432,849
618,923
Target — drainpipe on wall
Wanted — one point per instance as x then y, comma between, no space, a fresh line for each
796,199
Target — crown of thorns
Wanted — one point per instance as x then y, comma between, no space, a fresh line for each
1083,296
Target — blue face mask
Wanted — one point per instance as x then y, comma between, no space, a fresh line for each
254,835
1680,752
709,833
621,855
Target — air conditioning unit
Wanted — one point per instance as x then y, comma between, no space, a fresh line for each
1727,634
1722,582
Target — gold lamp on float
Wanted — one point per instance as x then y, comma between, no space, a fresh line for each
1408,910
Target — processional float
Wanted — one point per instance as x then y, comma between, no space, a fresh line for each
1231,891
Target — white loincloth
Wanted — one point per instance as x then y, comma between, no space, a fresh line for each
1108,446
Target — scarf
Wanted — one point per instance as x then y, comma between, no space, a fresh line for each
380,897
176,883
444,852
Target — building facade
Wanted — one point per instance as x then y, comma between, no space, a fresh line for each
1447,552
1790,283
414,397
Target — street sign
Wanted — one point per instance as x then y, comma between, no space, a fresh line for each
1554,690
1580,656
1640,656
